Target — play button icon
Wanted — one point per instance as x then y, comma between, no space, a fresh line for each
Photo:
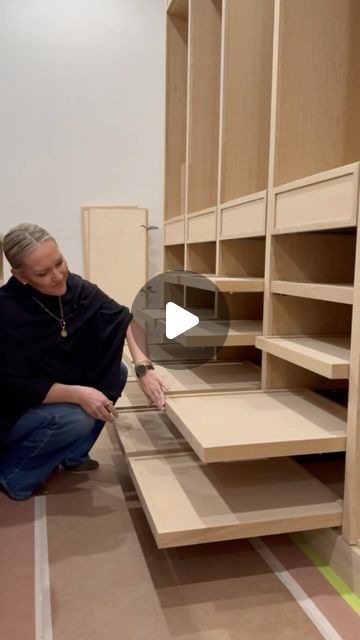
178,320
185,318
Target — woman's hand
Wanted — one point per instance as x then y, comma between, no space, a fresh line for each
154,388
95,403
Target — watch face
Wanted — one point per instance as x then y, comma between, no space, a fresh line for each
141,369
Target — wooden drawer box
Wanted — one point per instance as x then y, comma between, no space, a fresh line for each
188,502
202,226
174,232
324,201
244,218
246,425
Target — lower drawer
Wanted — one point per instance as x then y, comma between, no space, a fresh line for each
188,502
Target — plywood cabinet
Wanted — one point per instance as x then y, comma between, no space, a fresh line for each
262,197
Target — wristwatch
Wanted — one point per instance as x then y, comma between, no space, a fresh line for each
141,368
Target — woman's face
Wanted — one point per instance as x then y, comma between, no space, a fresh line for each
45,269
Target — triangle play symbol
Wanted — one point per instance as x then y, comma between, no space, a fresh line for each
178,320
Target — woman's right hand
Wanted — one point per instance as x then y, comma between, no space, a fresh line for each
95,403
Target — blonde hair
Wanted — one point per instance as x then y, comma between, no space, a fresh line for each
21,240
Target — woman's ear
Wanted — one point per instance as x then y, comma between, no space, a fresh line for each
18,274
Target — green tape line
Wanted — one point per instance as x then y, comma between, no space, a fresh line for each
351,598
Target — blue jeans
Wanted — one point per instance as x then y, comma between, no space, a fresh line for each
44,437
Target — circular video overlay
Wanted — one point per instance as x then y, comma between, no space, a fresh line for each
185,318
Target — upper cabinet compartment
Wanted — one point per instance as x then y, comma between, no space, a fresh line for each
176,107
204,103
318,87
248,44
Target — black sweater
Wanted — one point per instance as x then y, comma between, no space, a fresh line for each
34,356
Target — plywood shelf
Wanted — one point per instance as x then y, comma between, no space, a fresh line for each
240,426
187,502
217,333
223,283
317,291
327,356
146,433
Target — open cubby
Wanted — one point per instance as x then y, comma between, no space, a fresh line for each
241,306
318,97
204,108
200,302
323,257
282,374
292,316
176,112
246,97
239,354
174,257
242,257
173,293
201,257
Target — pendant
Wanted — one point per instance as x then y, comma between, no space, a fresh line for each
63,333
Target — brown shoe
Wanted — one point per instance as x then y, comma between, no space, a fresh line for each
87,465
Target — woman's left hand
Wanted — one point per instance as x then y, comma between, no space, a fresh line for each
154,388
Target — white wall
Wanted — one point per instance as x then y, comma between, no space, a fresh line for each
81,113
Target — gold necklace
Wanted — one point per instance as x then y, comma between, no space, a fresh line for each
61,320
